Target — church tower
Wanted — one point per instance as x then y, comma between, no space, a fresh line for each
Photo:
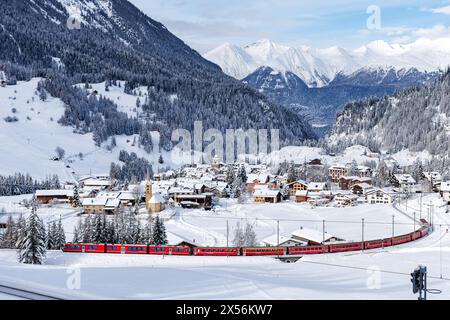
148,194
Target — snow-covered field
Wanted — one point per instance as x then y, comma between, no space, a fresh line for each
376,274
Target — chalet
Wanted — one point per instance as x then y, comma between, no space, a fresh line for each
301,196
46,196
100,205
378,196
434,178
344,200
445,191
313,237
346,182
257,179
175,193
266,196
195,201
361,188
317,187
363,171
313,197
299,185
403,182
337,172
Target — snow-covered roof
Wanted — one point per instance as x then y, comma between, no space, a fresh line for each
301,193
273,240
445,186
405,178
362,185
436,176
54,193
94,201
156,199
266,193
257,177
316,186
312,235
96,182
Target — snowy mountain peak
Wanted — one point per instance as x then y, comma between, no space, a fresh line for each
318,67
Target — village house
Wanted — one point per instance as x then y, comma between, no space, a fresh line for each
258,179
404,182
337,172
317,186
344,200
47,196
363,172
378,196
293,187
266,196
100,205
313,237
445,191
361,188
346,182
196,201
434,179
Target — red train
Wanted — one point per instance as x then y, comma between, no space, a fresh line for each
260,251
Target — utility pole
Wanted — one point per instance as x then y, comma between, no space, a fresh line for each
363,232
414,231
323,231
421,195
227,234
278,233
393,226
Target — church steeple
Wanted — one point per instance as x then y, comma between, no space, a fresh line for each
148,192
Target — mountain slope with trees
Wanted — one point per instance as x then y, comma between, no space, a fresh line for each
116,41
417,119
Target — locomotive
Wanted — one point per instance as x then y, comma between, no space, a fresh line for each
257,251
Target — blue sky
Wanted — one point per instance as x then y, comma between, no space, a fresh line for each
205,24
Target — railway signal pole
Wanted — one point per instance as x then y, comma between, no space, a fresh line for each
419,282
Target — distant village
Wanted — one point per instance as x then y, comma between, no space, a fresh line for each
201,186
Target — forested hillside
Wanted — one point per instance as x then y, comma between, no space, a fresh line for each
118,42
416,119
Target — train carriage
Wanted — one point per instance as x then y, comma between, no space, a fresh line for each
344,247
73,248
308,250
135,249
114,248
375,244
217,252
277,251
402,239
93,248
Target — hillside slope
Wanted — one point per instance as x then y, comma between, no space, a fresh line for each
416,119
116,41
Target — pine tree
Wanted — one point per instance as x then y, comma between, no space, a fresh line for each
147,233
32,244
159,233
50,239
60,236
76,197
9,238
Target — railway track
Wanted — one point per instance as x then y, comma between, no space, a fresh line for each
26,294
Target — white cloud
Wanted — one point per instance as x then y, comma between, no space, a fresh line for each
436,31
441,10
